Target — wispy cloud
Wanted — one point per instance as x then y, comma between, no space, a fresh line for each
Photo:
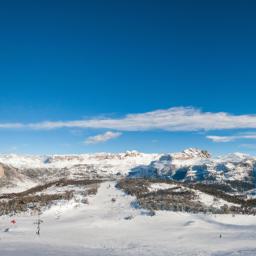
172,119
232,137
12,126
102,137
220,138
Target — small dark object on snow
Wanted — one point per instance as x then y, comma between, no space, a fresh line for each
151,213
13,222
128,217
6,230
84,201
220,236
113,200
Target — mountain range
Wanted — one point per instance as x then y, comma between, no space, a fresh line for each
19,172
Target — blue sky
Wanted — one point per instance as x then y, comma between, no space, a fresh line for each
95,62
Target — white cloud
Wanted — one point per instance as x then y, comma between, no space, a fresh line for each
220,138
102,137
232,137
172,119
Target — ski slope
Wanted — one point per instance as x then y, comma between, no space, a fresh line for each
114,227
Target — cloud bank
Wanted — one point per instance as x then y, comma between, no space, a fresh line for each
172,119
102,137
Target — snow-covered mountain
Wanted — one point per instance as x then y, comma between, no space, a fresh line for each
19,171
128,158
197,165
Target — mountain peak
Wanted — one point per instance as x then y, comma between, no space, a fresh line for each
190,153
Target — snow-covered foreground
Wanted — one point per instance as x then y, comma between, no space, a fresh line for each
114,227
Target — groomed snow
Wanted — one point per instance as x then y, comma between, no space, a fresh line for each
110,228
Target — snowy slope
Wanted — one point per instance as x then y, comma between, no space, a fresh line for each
101,228
112,224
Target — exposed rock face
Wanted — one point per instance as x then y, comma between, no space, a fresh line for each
191,153
1,171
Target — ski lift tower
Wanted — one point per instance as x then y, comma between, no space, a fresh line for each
38,223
